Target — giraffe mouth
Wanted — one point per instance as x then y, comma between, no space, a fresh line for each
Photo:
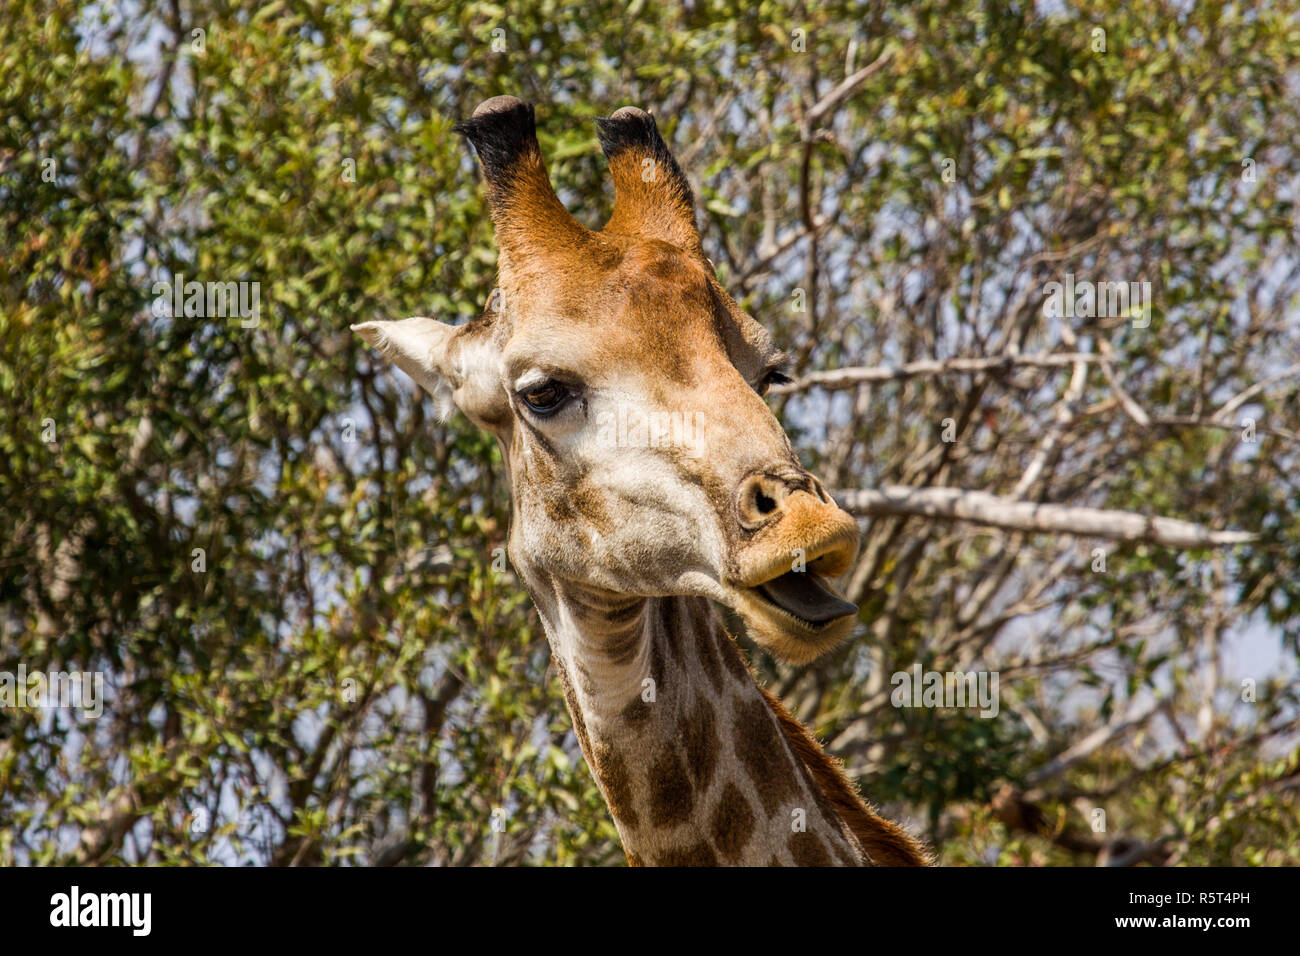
806,598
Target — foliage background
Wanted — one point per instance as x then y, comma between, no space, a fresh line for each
350,680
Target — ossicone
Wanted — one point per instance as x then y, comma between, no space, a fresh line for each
532,226
652,197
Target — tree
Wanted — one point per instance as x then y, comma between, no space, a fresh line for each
290,573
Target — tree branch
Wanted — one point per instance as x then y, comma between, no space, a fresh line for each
846,88
955,504
840,378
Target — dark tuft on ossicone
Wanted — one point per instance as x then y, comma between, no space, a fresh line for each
631,129
502,129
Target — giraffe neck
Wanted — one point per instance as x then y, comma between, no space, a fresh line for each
696,763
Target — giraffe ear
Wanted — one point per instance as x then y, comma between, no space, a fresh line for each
456,364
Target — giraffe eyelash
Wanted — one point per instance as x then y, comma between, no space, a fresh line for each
773,376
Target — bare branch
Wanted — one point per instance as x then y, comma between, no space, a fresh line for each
1064,415
840,378
1090,743
1230,406
846,88
983,508
1126,401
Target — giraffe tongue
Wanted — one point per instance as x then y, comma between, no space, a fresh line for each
804,596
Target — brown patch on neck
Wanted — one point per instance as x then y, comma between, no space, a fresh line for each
733,822
697,854
757,743
612,773
575,714
637,712
700,736
886,842
808,850
672,798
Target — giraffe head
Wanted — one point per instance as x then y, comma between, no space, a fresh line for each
625,387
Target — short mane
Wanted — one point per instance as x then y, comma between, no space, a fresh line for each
886,843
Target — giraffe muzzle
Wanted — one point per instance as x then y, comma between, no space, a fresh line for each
783,586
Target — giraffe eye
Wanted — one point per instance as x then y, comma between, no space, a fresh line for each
545,399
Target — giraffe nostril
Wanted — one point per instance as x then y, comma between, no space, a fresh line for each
760,500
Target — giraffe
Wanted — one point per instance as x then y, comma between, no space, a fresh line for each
648,478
